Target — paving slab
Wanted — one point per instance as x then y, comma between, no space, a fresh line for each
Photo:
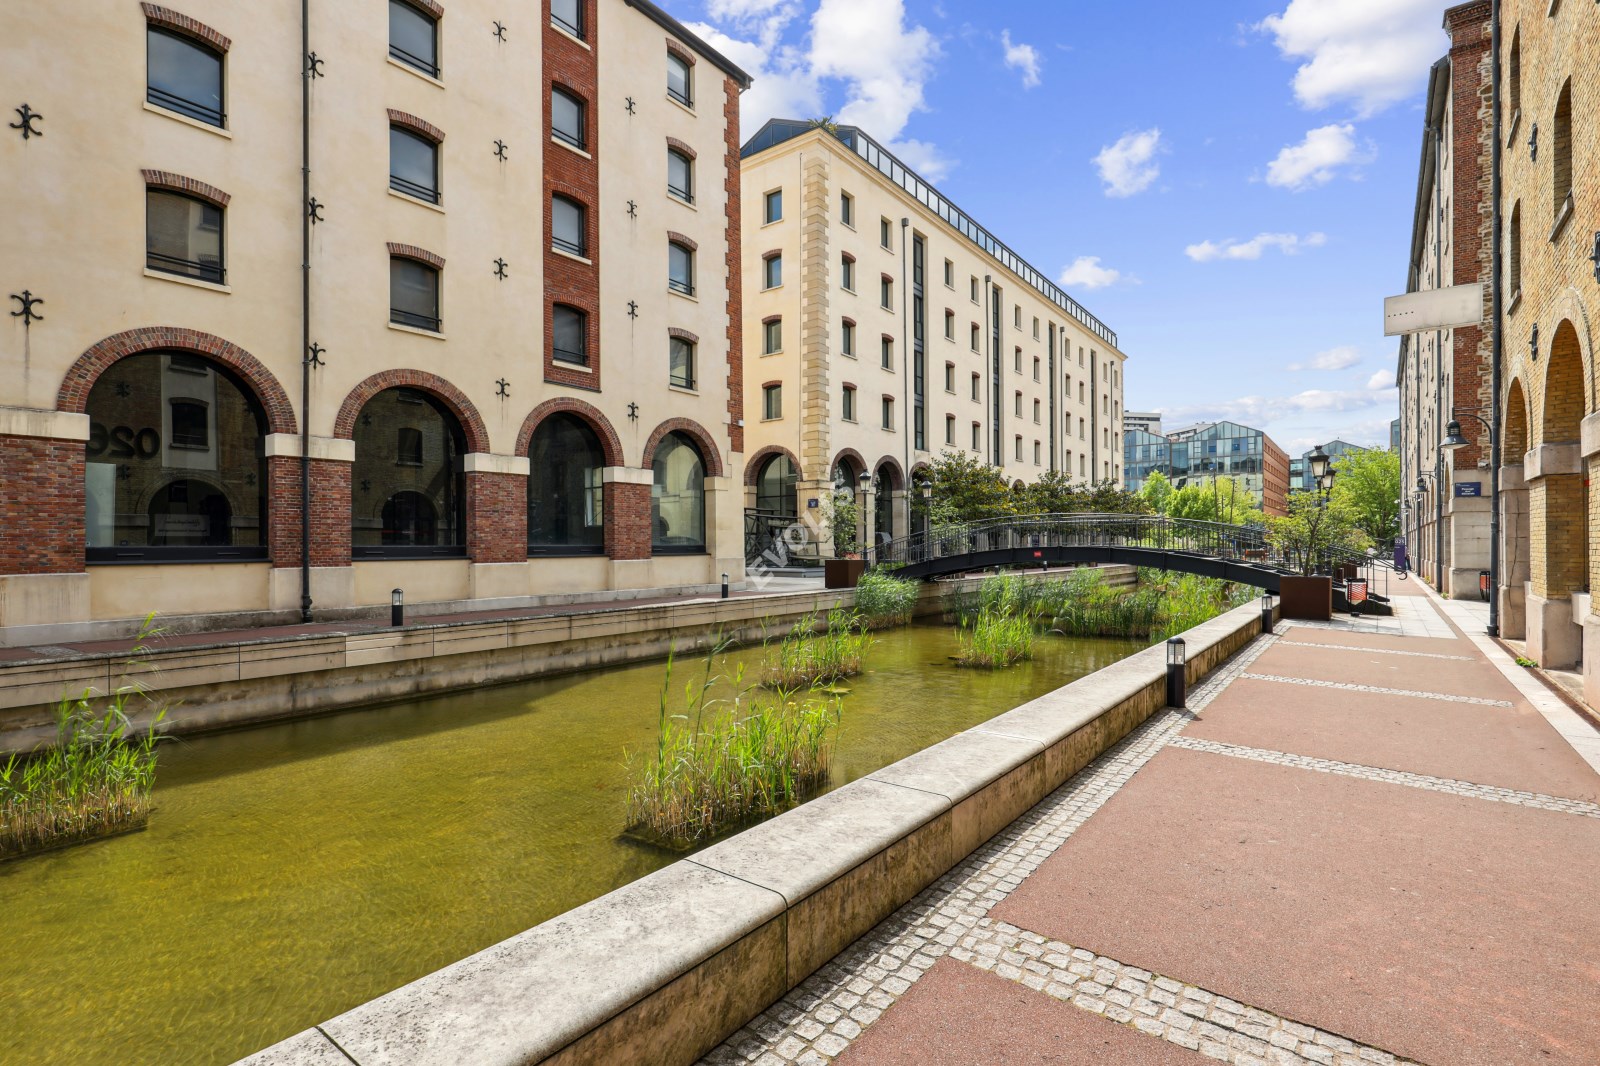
1355,638
1443,928
1395,666
1509,747
956,1015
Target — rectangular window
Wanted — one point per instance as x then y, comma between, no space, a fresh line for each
413,165
1036,410
950,429
886,293
949,274
183,236
847,339
849,403
680,175
185,76
569,329
568,14
887,353
847,273
950,325
772,271
888,413
771,402
566,118
772,337
886,233
976,380
974,288
1036,368
413,294
977,437
1036,329
567,225
680,268
1036,454
682,358
1017,406
847,209
1016,361
772,211
1016,317
408,446
191,425
975,336
949,377
1019,449
680,86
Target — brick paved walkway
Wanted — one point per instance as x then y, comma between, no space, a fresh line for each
1363,842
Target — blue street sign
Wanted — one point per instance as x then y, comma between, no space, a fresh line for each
1469,488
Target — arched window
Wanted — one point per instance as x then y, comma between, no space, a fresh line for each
568,226
408,490
1514,251
775,485
176,466
184,76
678,498
1561,156
566,513
844,475
883,483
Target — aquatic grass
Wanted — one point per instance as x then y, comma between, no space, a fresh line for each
728,754
95,781
806,657
885,600
995,639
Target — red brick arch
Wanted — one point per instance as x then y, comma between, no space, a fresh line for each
590,415
852,455
695,432
80,378
897,474
752,465
453,398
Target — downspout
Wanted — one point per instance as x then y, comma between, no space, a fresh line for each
1493,628
1094,419
989,376
1052,371
1437,210
908,389
305,310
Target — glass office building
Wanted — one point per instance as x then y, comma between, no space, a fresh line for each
1198,454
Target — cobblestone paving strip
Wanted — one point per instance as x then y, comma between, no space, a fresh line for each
820,1018
1379,651
1347,687
1396,777
1191,1017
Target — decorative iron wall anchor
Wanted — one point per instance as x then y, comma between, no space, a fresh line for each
27,116
28,301
1533,143
1594,257
633,412
500,31
314,65
314,210
502,388
633,308
502,269
1533,343
314,355
501,150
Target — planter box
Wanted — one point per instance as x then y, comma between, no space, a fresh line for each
1310,598
843,573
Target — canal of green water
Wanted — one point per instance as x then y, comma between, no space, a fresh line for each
293,871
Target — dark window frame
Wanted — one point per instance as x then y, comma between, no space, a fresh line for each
566,355
686,98
416,62
561,23
685,286
688,379
406,185
560,244
189,109
685,194
412,319
193,269
581,141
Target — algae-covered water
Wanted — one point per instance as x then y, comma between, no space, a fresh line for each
293,871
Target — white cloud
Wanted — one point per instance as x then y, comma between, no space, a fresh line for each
1261,410
1373,53
1128,167
1087,273
1315,160
1383,379
1339,358
1023,57
781,84
1287,243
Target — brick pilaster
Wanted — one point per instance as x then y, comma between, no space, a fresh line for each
41,506
497,517
627,520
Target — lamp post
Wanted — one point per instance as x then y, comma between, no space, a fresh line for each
1267,603
397,608
1454,440
1177,656
863,506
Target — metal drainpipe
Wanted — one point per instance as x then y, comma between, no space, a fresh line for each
1051,327
305,310
1494,309
987,333
907,387
1438,390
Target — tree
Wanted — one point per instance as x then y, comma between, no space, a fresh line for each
1316,525
1156,491
843,518
965,489
1367,485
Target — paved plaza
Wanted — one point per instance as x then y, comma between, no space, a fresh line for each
1363,842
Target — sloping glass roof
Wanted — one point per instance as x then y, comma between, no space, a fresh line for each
778,130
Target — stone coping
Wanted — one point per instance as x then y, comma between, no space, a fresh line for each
662,969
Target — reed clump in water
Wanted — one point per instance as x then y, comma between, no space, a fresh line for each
806,657
995,639
96,779
883,600
727,754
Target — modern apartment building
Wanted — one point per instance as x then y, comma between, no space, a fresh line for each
1148,421
884,325
1197,455
1550,280
1442,373
1300,468
401,296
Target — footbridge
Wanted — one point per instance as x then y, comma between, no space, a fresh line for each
1241,554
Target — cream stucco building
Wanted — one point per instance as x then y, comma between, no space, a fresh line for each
448,304
884,326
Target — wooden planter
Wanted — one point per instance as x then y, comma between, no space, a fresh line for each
842,573
1310,598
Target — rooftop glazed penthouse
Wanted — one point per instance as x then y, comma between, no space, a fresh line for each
402,296
885,326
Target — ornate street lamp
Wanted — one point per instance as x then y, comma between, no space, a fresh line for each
1317,462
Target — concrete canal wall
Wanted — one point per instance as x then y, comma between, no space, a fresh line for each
215,686
661,970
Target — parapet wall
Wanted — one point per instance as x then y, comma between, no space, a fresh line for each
663,969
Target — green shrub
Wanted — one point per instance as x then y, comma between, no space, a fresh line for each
805,657
995,639
728,754
885,600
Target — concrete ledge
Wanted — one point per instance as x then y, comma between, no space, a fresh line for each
50,425
1548,460
1589,436
663,969
1512,478
334,449
489,463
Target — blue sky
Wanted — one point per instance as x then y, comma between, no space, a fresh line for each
1229,185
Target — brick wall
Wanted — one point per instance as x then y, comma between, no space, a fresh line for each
735,268
330,511
627,521
497,517
41,506
1472,214
566,280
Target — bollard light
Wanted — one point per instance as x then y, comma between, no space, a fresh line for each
1268,602
724,586
397,607
1177,657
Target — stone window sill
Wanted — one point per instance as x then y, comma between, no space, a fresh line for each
398,195
155,109
1565,216
415,73
398,328
209,286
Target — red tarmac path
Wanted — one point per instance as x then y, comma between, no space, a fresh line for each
1444,928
